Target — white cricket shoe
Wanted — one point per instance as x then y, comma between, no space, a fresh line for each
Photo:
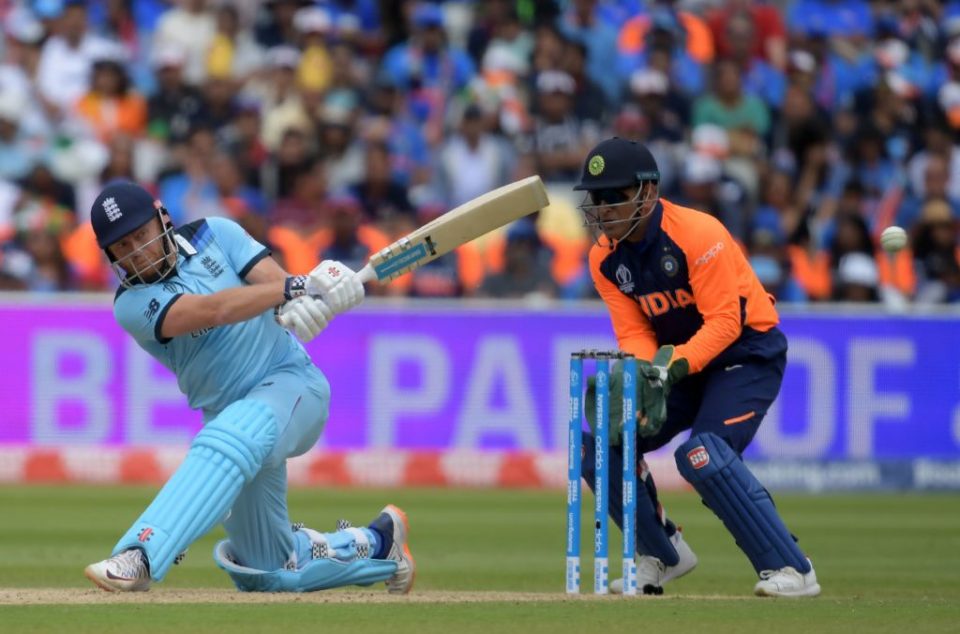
652,573
392,521
787,582
125,572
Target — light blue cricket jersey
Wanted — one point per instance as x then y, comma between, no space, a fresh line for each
214,366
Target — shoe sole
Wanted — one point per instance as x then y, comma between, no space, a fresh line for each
97,581
396,510
810,591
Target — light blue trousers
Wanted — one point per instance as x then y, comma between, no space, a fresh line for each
259,525
235,472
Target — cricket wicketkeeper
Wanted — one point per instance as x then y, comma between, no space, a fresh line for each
684,300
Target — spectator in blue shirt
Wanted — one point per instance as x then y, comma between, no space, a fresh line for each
582,23
760,78
665,50
426,60
844,18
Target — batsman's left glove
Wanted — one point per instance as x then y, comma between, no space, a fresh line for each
304,316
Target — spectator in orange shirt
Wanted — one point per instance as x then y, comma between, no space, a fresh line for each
111,106
347,236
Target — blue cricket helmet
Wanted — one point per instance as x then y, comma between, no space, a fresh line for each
121,208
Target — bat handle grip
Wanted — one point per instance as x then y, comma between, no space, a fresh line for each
367,274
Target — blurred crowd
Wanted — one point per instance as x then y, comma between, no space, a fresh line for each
330,128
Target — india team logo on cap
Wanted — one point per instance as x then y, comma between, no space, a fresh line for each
596,165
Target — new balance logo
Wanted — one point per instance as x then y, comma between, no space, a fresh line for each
152,308
112,209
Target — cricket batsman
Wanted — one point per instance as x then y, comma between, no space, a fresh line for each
208,302
683,299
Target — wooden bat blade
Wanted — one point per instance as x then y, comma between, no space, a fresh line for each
457,227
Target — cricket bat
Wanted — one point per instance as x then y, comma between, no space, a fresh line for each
456,227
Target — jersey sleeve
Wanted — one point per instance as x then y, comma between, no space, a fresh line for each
242,251
631,327
711,260
141,311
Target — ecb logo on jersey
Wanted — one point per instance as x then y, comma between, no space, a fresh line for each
698,457
625,279
213,267
669,265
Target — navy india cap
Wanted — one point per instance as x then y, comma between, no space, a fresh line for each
616,163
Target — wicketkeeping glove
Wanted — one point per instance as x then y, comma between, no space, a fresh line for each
616,401
662,374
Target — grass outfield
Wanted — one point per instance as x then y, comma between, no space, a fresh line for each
491,561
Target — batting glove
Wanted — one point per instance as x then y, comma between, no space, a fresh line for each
304,316
337,284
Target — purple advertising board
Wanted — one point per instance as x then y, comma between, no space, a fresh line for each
445,376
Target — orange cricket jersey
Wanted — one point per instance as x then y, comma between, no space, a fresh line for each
687,284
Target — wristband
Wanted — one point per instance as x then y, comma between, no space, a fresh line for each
294,286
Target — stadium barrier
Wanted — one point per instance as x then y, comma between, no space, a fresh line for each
474,394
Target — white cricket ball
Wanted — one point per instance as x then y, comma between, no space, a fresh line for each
893,239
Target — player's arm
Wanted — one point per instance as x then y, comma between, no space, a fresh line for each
711,260
266,270
305,316
633,330
188,312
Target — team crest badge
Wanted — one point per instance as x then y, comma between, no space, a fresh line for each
596,165
669,265
698,457
112,209
624,279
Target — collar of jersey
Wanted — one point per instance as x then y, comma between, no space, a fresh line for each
185,248
653,227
